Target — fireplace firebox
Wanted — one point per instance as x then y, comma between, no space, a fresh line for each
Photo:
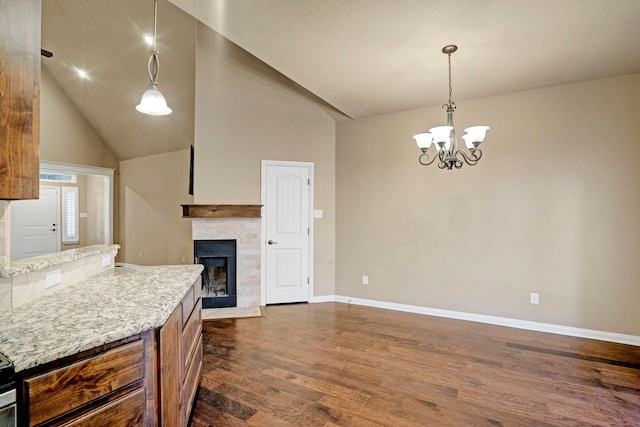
219,274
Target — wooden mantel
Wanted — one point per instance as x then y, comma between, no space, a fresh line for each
221,211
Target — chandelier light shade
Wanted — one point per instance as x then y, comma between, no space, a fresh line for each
153,101
443,138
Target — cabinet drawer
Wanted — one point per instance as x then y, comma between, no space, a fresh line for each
188,302
190,335
128,411
59,391
191,382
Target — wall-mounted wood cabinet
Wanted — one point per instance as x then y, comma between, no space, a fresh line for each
19,99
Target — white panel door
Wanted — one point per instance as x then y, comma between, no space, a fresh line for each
35,224
287,213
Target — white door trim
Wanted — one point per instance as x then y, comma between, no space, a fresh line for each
263,224
107,173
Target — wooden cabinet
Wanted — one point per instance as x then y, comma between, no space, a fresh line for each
128,411
181,359
71,387
144,380
191,361
19,99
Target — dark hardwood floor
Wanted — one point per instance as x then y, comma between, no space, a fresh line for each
335,364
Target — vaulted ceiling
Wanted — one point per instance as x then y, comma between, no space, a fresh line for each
364,57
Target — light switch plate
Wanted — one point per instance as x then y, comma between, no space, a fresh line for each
534,298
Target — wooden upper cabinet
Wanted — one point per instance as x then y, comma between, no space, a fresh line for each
19,99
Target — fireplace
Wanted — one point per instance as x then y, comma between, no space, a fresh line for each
219,275
240,223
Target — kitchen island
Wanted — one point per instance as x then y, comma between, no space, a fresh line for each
125,343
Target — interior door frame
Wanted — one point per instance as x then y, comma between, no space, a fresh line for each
107,173
263,223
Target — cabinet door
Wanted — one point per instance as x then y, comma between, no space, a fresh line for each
19,99
170,372
62,390
191,382
190,335
128,411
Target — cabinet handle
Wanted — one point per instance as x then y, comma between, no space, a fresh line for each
271,242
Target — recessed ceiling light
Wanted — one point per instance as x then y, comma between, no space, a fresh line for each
82,73
148,40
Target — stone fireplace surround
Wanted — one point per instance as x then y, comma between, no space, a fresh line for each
218,222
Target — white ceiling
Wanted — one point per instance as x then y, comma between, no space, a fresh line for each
364,57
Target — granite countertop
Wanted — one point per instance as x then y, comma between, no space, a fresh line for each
108,307
27,265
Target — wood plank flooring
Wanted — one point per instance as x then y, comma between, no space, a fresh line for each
336,364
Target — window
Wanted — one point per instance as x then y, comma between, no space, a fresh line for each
70,214
69,178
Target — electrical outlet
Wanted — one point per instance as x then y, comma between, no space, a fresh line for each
365,280
140,254
106,260
534,298
52,278
183,259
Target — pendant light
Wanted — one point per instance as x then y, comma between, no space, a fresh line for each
153,101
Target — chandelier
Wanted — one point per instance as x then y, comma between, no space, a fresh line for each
444,140
153,101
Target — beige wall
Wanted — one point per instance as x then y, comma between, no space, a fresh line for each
95,226
65,134
552,208
151,191
244,115
67,137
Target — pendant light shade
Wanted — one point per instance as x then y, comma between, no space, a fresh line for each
153,101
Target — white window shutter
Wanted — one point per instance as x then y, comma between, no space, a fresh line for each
70,215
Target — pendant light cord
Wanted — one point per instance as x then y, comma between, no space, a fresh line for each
154,65
155,30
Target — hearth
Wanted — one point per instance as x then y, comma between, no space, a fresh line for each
219,275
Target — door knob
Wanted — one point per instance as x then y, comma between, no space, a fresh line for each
271,242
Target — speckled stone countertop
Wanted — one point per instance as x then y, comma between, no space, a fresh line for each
108,307
27,265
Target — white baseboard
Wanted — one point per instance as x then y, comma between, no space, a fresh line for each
324,298
482,318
